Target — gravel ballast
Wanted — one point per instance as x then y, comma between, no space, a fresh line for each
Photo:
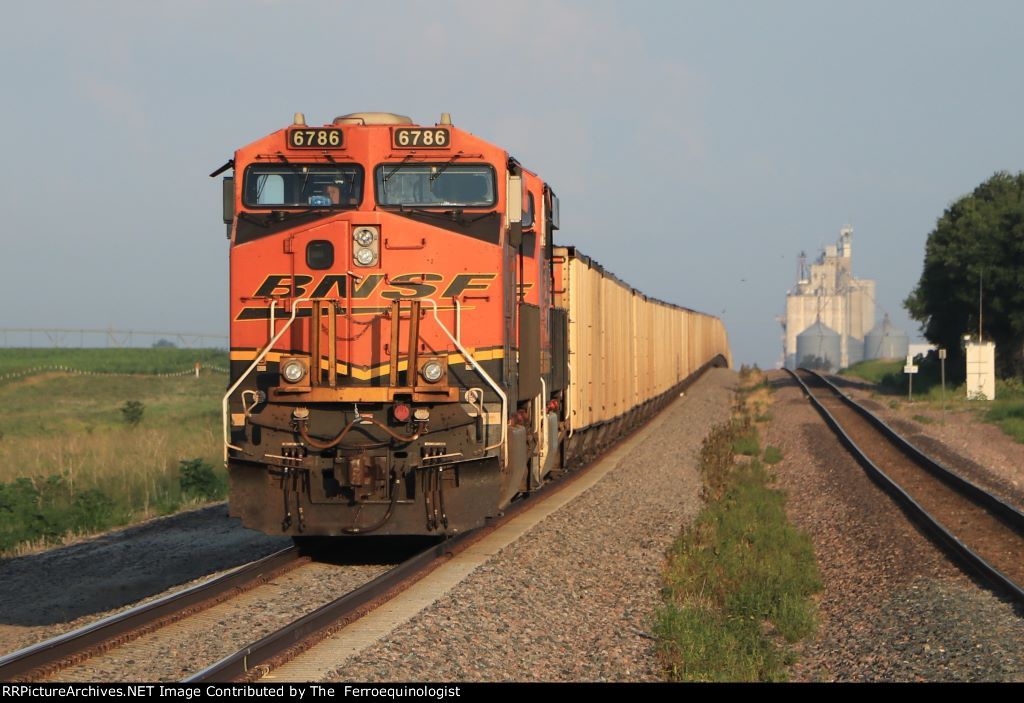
574,599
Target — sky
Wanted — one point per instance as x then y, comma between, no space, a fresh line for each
697,147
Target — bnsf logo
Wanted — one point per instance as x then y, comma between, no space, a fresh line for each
402,287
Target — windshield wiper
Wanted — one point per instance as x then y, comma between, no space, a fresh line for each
444,167
401,163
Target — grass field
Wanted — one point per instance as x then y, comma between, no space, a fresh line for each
73,461
877,371
1006,411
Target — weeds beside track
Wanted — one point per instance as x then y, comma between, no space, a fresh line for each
740,579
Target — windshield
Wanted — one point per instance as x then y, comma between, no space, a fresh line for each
435,185
303,185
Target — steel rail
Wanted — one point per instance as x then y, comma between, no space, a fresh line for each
262,656
259,655
79,644
1008,514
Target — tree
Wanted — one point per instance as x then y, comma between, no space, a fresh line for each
978,239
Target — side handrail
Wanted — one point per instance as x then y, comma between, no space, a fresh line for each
542,431
259,357
490,381
568,398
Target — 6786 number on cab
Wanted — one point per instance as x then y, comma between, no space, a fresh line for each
419,138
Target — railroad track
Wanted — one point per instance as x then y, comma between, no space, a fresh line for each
981,531
65,650
254,661
171,636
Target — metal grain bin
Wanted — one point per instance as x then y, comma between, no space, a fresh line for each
854,350
818,347
886,342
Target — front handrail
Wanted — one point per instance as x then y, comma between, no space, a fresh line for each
295,309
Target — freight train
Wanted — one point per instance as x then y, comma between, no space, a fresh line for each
410,350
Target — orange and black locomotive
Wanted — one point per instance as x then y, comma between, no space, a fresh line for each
409,350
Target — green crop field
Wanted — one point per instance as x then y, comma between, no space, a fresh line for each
107,444
145,361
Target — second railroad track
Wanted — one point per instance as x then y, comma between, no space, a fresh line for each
980,530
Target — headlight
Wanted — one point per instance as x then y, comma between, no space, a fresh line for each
431,371
366,245
293,371
364,236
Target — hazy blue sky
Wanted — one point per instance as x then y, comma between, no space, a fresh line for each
697,147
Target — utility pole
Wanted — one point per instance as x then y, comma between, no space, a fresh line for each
981,278
942,373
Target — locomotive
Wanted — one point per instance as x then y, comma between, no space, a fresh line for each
410,351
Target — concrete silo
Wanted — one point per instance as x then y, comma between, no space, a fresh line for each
827,291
